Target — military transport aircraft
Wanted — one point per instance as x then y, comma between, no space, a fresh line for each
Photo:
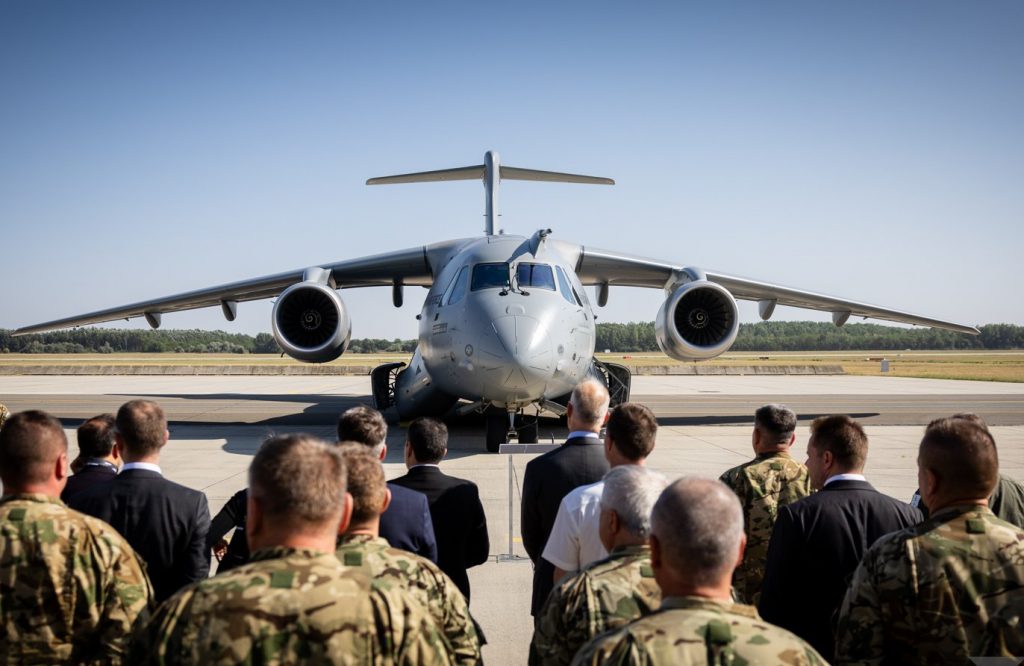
506,328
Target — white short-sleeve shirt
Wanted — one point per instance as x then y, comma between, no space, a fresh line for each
575,541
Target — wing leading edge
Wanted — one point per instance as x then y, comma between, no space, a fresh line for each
604,267
412,266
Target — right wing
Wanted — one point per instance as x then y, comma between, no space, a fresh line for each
414,266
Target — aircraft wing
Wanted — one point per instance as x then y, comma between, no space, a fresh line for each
597,267
411,266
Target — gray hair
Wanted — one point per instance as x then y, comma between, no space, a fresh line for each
590,401
776,421
631,491
699,524
300,480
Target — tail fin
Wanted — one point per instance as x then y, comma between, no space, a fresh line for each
492,173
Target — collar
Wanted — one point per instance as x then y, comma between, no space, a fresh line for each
639,549
772,454
705,603
434,465
588,434
845,477
951,512
150,467
363,539
100,462
31,497
280,552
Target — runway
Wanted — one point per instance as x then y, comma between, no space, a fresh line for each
217,423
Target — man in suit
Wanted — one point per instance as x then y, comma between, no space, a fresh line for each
550,477
819,540
166,523
406,524
98,456
459,522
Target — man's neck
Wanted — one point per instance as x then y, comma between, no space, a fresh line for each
941,504
771,449
152,460
322,543
721,591
368,528
50,489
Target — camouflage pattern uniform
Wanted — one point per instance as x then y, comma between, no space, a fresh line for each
763,485
4,414
697,630
70,586
409,574
604,595
289,606
1004,635
925,594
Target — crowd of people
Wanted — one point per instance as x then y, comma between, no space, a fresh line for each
776,562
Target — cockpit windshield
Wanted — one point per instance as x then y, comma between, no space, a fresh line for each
491,276
538,276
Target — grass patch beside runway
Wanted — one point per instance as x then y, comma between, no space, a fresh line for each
1004,366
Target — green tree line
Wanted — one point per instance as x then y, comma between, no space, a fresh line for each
630,337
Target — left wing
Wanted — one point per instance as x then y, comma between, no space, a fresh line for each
413,266
605,267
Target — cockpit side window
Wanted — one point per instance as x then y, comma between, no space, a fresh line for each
535,275
457,290
568,291
566,288
490,276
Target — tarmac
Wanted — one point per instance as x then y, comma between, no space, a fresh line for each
217,423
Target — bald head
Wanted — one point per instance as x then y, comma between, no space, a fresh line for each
961,454
31,444
589,402
698,524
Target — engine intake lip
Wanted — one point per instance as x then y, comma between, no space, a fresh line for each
310,322
703,317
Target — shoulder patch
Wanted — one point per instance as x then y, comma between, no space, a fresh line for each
646,571
352,559
282,579
975,526
17,514
777,466
718,633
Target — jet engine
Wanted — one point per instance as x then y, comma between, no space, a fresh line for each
699,321
310,322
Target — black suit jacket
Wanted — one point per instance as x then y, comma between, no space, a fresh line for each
816,545
459,522
166,523
90,475
549,478
407,525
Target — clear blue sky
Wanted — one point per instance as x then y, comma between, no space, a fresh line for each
872,150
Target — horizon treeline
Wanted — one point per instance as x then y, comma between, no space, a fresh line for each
629,337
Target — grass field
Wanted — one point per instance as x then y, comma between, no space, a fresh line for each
1004,366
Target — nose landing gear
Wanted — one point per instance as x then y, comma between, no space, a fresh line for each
505,425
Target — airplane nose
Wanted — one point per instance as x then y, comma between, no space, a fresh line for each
526,348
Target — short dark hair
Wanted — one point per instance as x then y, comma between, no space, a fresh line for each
96,436
633,430
366,482
428,438
843,437
142,426
778,422
298,479
30,444
362,424
962,453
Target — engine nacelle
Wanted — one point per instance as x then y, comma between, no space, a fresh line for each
310,322
698,321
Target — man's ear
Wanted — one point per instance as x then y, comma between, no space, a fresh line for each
60,470
115,450
792,439
383,451
346,513
743,549
655,551
167,436
387,501
827,459
614,522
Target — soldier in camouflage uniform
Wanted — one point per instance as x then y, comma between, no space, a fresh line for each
294,602
772,479
696,539
612,592
925,594
71,587
400,571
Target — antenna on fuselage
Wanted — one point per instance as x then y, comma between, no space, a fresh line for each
492,173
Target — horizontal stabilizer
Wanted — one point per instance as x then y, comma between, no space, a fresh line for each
462,173
515,173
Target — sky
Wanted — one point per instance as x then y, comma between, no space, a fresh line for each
869,150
